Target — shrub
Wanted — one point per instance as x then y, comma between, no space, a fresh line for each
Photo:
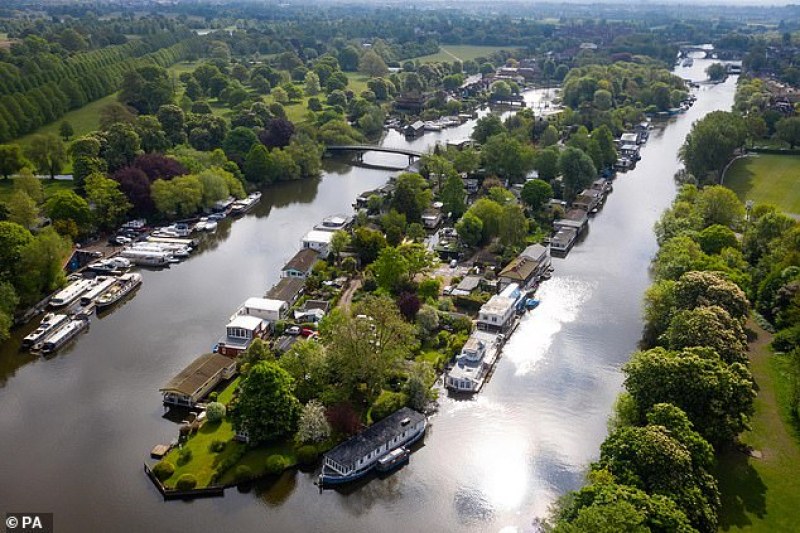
242,473
307,454
163,470
213,396
186,482
215,412
227,463
184,456
787,340
387,403
276,464
217,446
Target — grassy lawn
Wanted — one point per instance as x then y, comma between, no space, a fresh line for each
50,187
763,495
227,394
767,178
463,52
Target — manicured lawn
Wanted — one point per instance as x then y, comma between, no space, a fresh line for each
83,120
50,187
226,395
767,178
203,461
462,52
763,495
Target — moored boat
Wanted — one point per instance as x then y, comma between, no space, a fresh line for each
103,283
71,293
240,207
63,335
393,459
50,323
122,288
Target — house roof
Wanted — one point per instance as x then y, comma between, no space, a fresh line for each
520,268
322,305
469,283
497,305
536,252
286,289
246,322
264,304
302,260
318,236
374,436
197,373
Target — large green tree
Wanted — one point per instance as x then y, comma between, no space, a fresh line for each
146,89
535,193
48,153
712,142
507,157
110,203
711,327
266,406
577,169
11,159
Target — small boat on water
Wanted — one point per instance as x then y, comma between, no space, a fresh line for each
393,459
531,304
147,257
63,335
124,286
71,293
112,265
240,207
103,283
50,323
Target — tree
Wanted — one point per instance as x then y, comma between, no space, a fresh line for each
173,122
312,87
30,185
340,241
22,209
66,130
110,203
146,89
121,146
535,193
151,135
306,362
711,143
470,229
603,141
114,113
394,226
716,72
603,100
181,196
368,243
215,186
266,407
453,196
258,164
505,156
715,238
501,91
513,226
788,130
717,397
48,154
277,133
695,289
678,256
546,163
411,196
486,127
391,269
238,144
372,65
490,214
719,205
11,159
549,137
367,346
65,206
215,412
8,302
313,426
577,169
348,58
711,327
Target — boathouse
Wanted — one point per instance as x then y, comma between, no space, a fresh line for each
576,219
334,223
240,333
319,241
473,363
563,240
534,261
263,308
588,200
358,455
199,378
301,264
497,315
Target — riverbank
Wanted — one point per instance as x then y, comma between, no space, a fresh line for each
761,491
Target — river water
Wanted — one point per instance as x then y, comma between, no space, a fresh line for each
76,428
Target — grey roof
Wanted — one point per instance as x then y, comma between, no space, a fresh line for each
302,260
197,373
374,436
286,289
469,283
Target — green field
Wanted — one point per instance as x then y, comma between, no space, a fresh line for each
50,187
767,178
763,494
462,52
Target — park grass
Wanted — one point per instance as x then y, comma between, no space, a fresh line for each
50,187
763,495
463,52
767,178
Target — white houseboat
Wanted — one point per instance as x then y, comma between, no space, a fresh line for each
102,284
240,207
473,364
147,257
356,457
50,323
71,293
63,335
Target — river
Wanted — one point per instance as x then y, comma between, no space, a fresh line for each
76,428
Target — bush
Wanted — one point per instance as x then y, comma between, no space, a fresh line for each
215,412
387,403
213,396
163,470
242,473
186,482
276,464
307,454
217,446
787,340
227,463
184,456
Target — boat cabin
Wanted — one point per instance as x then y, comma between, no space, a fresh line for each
563,240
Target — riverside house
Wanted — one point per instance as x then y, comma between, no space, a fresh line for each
240,333
498,314
523,270
199,378
301,264
319,241
263,308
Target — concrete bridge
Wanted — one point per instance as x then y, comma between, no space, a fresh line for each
684,51
361,149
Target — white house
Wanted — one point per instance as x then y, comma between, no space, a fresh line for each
498,313
263,308
473,363
240,332
319,241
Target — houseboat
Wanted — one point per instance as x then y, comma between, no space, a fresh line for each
71,293
356,457
147,258
122,288
473,364
112,265
102,284
49,324
194,382
240,207
63,335
334,223
563,240
393,459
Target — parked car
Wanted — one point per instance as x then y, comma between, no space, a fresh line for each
307,332
293,330
122,239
